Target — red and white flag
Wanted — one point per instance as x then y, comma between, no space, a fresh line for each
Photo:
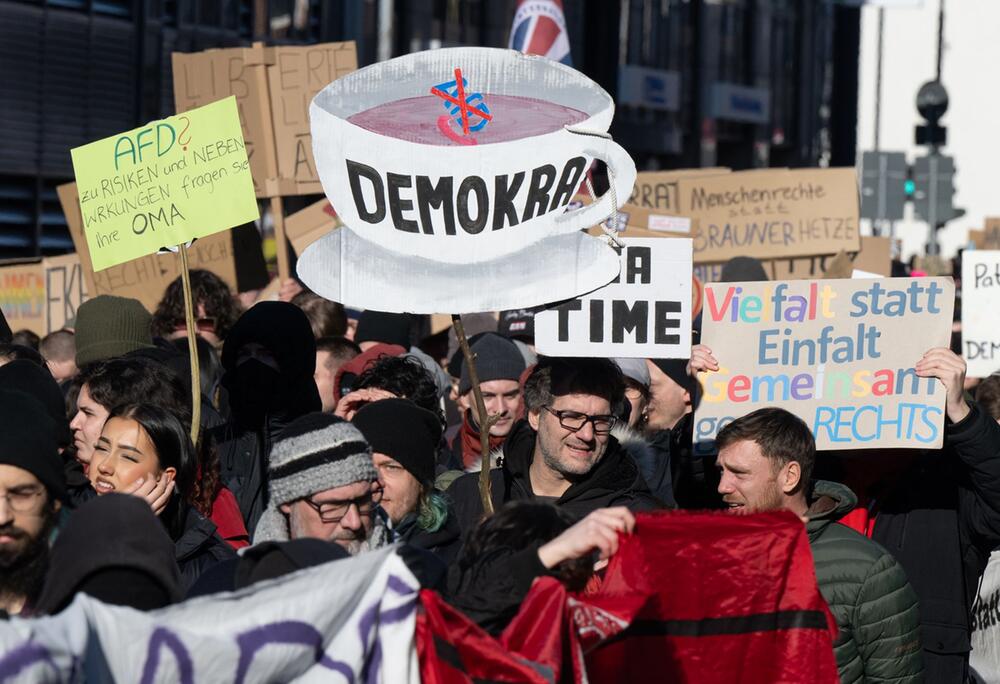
539,28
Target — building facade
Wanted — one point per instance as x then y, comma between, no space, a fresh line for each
737,83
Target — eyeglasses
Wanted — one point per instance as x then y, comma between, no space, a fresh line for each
23,499
331,513
574,420
206,324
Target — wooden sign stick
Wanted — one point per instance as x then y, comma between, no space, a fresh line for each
192,346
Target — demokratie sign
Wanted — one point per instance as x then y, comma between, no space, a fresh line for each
980,304
839,354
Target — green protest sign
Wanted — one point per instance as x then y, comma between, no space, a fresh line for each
164,184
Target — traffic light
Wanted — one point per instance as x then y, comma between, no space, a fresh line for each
934,188
883,185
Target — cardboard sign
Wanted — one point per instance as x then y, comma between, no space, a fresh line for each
874,257
452,171
310,224
655,203
837,353
164,184
768,214
273,87
43,295
989,237
145,278
980,306
643,313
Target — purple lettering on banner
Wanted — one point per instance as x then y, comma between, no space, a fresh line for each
24,656
163,637
287,632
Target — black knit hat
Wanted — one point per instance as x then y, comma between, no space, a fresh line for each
676,370
742,269
378,326
402,430
29,440
497,358
24,376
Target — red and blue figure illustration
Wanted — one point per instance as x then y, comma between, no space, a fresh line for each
468,111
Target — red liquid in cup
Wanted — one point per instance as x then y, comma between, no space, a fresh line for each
513,117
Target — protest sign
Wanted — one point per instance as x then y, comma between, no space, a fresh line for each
837,353
273,87
874,257
655,203
164,184
42,295
980,305
773,213
644,313
989,237
145,278
22,296
310,224
437,219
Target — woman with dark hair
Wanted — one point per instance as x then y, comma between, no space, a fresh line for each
216,309
144,442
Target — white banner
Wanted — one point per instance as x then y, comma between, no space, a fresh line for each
980,305
644,313
347,621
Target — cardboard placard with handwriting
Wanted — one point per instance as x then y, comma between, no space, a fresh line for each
771,214
655,204
980,304
273,88
145,278
988,237
839,354
308,225
164,184
42,295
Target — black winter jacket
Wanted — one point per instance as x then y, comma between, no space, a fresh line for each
614,481
941,520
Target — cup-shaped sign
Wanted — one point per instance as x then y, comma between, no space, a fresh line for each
346,268
466,154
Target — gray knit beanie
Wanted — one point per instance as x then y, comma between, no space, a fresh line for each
314,453
497,358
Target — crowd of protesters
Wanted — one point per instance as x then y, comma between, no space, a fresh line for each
327,432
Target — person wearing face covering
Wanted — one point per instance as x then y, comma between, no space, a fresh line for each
269,359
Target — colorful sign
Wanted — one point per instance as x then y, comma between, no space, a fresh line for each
43,295
164,184
980,304
840,354
643,313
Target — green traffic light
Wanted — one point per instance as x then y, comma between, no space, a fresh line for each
909,186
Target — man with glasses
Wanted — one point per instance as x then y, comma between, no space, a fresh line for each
32,487
322,484
564,452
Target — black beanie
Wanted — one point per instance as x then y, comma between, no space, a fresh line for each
378,326
21,375
676,370
742,269
404,431
29,440
497,358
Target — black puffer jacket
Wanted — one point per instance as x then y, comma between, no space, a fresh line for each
878,622
198,548
614,481
262,399
941,521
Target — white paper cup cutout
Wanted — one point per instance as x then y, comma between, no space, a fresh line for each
481,168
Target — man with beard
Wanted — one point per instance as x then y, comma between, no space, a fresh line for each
766,459
323,485
564,452
270,360
32,487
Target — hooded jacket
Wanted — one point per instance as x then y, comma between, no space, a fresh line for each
614,481
112,531
262,399
876,609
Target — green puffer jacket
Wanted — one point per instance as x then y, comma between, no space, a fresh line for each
876,610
